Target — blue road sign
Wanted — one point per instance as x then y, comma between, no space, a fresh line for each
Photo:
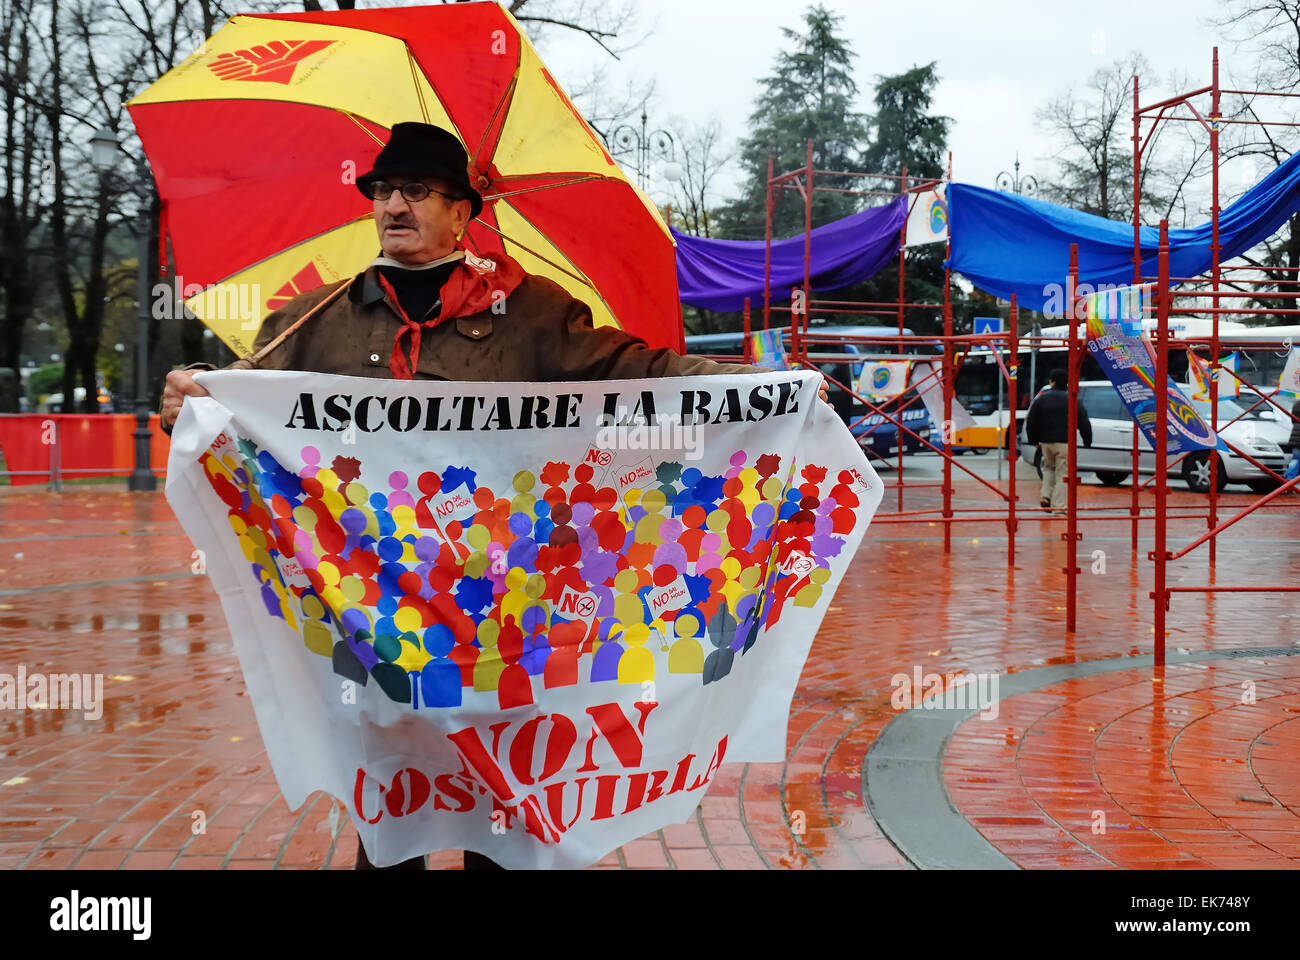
987,325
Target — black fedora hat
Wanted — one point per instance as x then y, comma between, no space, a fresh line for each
423,150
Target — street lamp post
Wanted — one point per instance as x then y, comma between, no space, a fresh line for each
142,477
105,148
1014,183
1026,186
645,145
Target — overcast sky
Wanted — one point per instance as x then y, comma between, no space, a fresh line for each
998,60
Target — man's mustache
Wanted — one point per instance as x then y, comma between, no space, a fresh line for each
400,221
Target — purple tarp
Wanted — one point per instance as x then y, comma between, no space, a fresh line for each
719,274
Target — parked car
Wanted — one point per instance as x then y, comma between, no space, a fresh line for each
1110,456
1266,412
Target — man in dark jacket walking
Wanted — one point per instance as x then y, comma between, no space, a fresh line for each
1048,425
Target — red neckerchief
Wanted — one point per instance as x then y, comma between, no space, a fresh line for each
475,285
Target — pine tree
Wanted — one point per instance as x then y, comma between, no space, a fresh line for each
905,134
809,95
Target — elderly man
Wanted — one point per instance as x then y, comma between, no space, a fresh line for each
426,309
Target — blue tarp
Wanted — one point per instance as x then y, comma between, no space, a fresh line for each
1005,244
719,274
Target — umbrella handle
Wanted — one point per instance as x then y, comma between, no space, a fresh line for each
254,360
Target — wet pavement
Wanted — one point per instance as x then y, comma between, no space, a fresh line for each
1091,757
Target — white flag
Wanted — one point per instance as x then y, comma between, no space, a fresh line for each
925,377
883,378
1289,382
927,217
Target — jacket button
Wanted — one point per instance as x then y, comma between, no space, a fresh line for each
374,358
474,332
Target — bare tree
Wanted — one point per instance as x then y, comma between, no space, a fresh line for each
21,207
1095,161
607,24
1270,30
702,157
123,49
604,100
93,69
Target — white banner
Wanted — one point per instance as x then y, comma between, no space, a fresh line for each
927,376
927,217
528,620
1289,382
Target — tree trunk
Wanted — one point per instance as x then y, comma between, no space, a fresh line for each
86,371
16,279
71,361
59,216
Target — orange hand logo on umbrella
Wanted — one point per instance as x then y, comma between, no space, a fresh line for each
273,63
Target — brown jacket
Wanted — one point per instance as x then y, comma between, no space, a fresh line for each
538,333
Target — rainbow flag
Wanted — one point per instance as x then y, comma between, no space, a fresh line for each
769,349
1125,307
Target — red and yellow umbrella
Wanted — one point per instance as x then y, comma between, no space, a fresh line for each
257,138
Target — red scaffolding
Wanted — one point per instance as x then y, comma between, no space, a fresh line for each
811,348
956,348
1183,108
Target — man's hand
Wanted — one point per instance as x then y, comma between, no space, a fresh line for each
180,384
824,392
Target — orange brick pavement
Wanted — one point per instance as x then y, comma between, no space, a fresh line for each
1185,772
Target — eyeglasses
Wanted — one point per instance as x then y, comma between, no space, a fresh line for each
413,191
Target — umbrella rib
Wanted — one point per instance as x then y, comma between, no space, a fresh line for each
506,177
580,279
583,280
415,82
545,186
353,118
492,121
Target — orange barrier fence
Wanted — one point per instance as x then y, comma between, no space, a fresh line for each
50,447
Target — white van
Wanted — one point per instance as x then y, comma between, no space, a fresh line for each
1110,456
